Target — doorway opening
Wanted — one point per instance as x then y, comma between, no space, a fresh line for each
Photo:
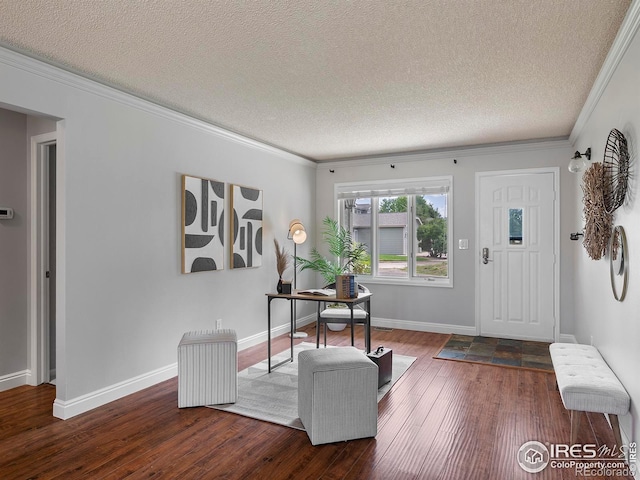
42,269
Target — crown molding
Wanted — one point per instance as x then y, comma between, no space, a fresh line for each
621,43
34,66
449,154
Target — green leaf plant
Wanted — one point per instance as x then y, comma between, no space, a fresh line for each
348,255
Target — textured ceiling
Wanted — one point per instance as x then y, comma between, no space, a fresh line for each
332,79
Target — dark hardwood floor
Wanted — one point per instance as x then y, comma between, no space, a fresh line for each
441,420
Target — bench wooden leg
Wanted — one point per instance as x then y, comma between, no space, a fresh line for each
575,425
615,426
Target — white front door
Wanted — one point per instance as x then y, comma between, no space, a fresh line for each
517,271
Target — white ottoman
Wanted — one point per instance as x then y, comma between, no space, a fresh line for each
207,368
337,394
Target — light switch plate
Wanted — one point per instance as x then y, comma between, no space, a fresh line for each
463,244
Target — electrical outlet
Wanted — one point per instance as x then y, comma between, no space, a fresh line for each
219,324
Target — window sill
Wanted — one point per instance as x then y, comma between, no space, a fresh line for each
421,282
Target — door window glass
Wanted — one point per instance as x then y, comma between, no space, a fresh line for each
515,226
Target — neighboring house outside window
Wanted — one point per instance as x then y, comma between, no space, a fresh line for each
393,232
379,214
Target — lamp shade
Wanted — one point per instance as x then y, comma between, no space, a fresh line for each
576,165
297,231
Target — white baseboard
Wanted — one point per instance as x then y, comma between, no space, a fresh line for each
14,380
568,338
76,406
84,403
376,322
262,336
423,326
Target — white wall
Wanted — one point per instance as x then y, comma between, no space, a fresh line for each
453,309
122,303
614,326
13,249
38,126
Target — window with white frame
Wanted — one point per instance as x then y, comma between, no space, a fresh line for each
406,226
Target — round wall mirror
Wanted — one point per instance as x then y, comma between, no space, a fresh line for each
618,262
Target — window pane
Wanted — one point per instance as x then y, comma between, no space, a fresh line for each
392,237
356,217
431,232
515,226
405,227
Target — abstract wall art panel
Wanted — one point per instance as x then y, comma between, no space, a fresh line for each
202,224
246,227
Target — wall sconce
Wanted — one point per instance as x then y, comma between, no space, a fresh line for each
298,234
577,163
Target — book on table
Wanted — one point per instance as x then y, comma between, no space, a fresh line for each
346,286
320,292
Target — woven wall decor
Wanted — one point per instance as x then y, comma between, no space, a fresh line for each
598,222
616,170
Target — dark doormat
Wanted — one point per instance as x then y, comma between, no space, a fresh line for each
497,351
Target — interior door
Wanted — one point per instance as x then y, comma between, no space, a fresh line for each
517,255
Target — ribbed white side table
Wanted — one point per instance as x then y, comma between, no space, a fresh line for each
207,368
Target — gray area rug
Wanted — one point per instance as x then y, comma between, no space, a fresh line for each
273,397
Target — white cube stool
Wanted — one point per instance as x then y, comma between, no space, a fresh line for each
207,368
337,394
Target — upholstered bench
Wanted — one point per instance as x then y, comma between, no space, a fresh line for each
587,384
207,368
337,394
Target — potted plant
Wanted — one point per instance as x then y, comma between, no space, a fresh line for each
282,262
348,255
